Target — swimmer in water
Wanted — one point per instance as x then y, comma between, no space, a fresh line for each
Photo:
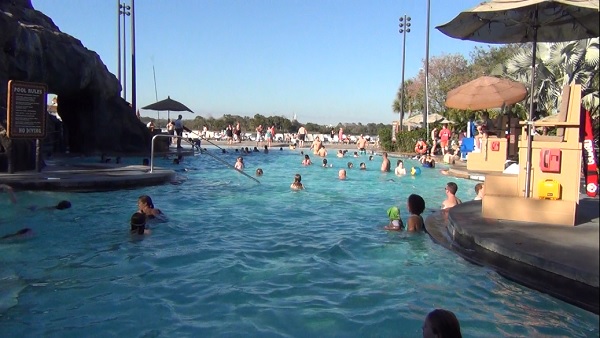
297,185
146,207
62,205
19,234
138,224
395,221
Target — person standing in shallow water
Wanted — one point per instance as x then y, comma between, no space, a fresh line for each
451,199
415,205
385,165
306,160
297,184
400,170
138,224
239,164
146,207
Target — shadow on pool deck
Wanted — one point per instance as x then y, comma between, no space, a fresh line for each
562,261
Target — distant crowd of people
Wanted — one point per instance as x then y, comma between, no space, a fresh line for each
415,203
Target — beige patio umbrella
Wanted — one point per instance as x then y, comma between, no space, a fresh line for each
431,118
486,92
519,21
446,121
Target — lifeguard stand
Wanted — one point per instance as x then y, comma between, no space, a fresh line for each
491,157
555,172
495,149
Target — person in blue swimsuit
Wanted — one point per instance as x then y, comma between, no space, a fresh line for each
428,162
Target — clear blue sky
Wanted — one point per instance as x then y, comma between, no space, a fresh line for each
327,61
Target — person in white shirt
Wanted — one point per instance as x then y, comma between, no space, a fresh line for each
179,130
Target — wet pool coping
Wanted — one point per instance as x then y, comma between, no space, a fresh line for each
87,177
562,261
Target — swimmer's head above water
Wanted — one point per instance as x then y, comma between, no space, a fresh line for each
63,205
138,223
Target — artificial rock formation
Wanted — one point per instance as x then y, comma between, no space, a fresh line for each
95,116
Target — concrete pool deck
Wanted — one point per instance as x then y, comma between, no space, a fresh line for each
562,261
87,177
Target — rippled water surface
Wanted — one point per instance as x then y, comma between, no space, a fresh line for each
241,259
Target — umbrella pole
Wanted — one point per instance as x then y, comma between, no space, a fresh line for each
530,117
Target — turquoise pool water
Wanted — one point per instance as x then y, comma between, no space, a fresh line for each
240,259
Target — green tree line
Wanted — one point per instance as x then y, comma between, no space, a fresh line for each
282,124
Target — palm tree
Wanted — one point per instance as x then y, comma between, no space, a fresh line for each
559,64
408,101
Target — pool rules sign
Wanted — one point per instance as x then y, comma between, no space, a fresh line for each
26,110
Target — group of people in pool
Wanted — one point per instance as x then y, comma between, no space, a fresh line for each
416,205
438,323
146,211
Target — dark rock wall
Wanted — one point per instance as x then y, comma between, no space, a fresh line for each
95,116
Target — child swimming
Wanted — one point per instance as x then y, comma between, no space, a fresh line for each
395,221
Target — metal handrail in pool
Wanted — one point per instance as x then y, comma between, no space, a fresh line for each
209,154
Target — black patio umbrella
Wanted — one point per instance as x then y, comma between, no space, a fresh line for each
169,105
519,21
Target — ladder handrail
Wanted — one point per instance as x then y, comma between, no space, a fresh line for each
201,137
232,167
211,155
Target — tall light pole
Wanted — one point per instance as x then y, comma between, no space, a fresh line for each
133,84
404,28
124,10
427,71
119,41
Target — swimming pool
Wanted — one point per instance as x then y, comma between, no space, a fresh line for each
244,259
